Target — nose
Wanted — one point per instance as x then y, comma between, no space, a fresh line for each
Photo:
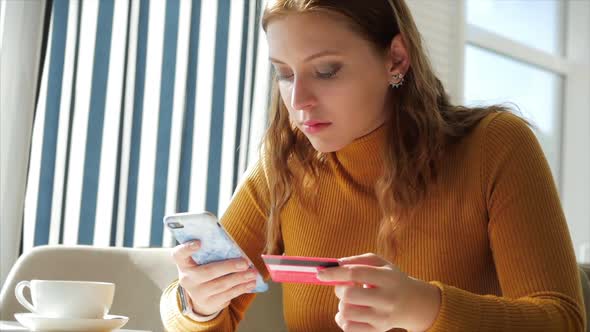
302,97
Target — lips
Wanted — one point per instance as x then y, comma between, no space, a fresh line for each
312,123
314,126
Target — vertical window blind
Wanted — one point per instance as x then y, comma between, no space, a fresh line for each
146,107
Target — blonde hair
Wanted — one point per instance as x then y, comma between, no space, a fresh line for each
422,122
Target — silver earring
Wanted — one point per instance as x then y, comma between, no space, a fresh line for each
396,80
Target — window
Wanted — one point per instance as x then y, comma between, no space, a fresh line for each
537,24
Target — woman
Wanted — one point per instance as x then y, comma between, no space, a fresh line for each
365,153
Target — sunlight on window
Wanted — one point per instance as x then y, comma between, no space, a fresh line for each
534,23
491,78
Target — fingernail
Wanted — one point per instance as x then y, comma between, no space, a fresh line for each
320,275
241,265
193,244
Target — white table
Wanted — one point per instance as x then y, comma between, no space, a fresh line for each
6,326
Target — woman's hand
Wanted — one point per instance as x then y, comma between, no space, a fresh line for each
385,297
211,287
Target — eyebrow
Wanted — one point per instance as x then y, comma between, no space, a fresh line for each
311,57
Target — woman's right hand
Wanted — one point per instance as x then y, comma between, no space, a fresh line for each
211,287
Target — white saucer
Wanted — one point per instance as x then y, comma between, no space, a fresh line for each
35,322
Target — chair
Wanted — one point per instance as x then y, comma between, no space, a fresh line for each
585,278
140,275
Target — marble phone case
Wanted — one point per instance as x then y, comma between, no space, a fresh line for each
216,244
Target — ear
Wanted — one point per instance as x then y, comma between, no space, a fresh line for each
398,58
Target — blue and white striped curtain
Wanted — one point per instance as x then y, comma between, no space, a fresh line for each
146,107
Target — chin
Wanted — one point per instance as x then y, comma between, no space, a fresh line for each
326,147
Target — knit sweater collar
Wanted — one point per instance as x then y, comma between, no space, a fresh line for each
363,158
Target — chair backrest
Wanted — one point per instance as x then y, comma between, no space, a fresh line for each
140,275
585,278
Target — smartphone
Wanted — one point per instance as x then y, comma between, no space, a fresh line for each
216,244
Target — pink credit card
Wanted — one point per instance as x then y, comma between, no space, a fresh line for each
298,269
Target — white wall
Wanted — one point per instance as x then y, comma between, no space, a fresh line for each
21,29
441,23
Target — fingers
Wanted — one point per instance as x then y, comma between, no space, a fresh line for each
212,286
360,296
210,297
365,259
233,292
359,314
182,254
351,326
361,274
204,273
225,283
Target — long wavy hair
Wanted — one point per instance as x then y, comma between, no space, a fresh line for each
422,123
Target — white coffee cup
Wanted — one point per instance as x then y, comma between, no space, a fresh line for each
67,299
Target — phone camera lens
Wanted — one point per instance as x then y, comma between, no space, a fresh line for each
175,225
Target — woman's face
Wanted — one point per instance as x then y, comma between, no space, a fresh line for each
333,82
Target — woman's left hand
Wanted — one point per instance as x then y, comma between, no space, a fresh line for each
385,297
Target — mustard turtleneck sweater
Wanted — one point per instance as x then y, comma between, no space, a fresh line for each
491,234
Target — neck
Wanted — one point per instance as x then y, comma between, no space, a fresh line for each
363,158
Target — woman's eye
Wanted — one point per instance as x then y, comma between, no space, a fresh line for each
326,75
327,72
284,76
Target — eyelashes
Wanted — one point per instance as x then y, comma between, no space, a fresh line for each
322,72
328,71
283,77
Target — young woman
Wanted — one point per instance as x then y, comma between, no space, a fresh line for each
365,154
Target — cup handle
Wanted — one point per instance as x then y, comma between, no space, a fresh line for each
20,296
